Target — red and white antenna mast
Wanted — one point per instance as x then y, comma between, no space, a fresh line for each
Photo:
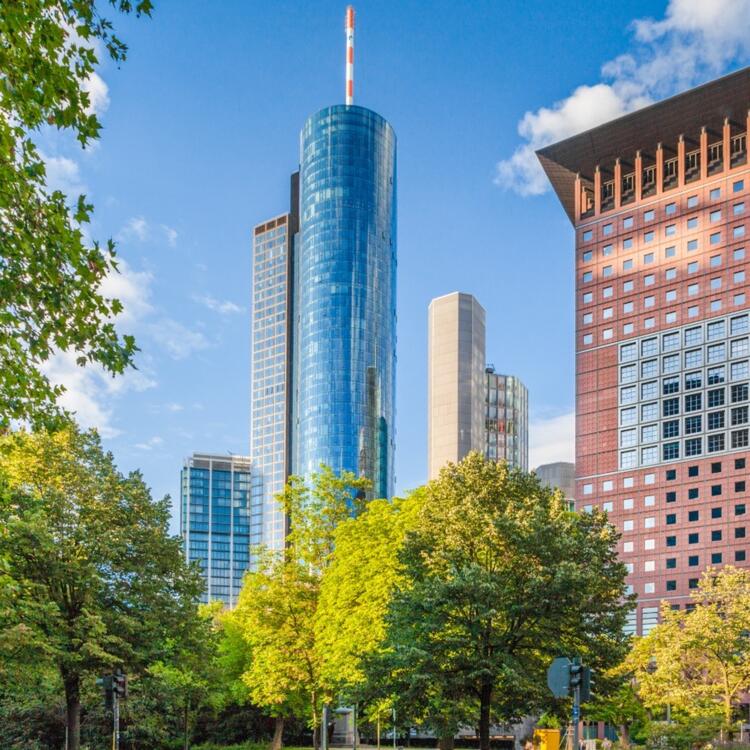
349,27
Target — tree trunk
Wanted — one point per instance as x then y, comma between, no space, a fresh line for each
446,742
378,731
624,735
485,701
278,734
72,685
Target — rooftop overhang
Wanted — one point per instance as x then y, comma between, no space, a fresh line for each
664,122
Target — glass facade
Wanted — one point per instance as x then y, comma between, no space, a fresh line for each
345,296
215,521
271,320
507,419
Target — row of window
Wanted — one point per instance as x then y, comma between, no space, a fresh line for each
670,209
670,475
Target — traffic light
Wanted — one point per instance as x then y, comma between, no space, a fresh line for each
580,677
107,684
121,684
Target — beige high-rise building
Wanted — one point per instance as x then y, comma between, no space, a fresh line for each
455,387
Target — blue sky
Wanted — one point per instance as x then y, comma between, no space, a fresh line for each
201,128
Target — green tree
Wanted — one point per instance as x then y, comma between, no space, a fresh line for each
98,582
277,605
357,587
501,577
50,277
698,661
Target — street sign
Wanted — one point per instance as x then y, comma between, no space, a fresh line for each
558,677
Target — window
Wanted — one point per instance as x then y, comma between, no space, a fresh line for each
671,406
670,341
739,555
670,252
692,201
627,286
587,235
738,299
671,541
671,519
627,525
738,186
650,455
627,243
715,215
607,229
716,330
693,492
649,523
715,490
738,209
739,532
738,232
628,352
738,277
649,390
649,347
588,276
671,474
715,420
607,250
648,236
716,558
715,375
671,363
650,433
648,258
739,439
671,585
716,467
739,253
649,279
692,245
715,238
693,289
588,338
692,222
693,425
715,512
627,222
740,370
739,348
694,358
715,443
628,395
628,438
693,380
649,368
628,416
607,271
670,429
739,393
627,264
671,563
607,292
670,451
627,307
670,295
669,385
716,535
715,283
692,403
716,353
627,459
648,215
693,447
715,194
693,583
693,515
649,322
739,510
694,538
587,297
628,374
693,267
607,334
739,324
739,463
716,398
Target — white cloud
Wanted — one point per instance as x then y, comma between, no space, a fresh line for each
552,439
63,174
173,406
150,444
98,92
695,41
170,234
132,288
225,307
136,228
178,340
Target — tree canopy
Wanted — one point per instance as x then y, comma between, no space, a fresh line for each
50,274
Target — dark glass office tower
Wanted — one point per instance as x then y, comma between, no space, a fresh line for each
345,296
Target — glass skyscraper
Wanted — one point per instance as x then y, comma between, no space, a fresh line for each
507,419
345,275
216,521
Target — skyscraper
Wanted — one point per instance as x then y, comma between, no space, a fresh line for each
506,425
215,520
470,407
324,311
346,287
455,379
271,362
658,200
560,474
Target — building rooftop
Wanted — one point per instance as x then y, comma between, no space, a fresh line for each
664,122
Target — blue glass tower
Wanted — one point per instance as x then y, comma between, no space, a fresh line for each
345,296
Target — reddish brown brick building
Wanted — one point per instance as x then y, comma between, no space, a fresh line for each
660,200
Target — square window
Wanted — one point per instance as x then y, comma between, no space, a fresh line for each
739,324
739,555
588,276
649,279
715,194
738,232
693,561
715,375
716,330
671,541
692,245
607,271
649,322
627,307
692,201
588,338
670,451
692,222
694,538
627,222
739,532
627,264
693,425
715,420
715,215
715,283
715,397
671,497
648,236
670,429
738,299
671,585
715,490
627,286
716,558
715,238
670,252
693,380
694,447
716,467
607,250
627,243
671,563
739,253
715,512
693,289
693,515
692,403
588,297
739,463
587,235
693,471
739,392
738,209
671,474
607,229
671,406
716,535
738,186
739,438
693,493
739,486
693,583
739,415
693,267
740,370
607,292
648,215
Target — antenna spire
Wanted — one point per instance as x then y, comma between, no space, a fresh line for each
349,28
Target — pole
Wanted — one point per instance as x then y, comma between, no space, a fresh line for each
576,711
349,29
115,719
324,729
394,729
354,727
